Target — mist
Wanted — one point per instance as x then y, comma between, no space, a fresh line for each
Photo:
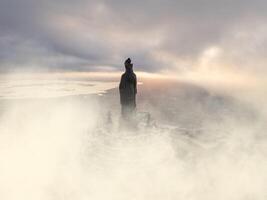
208,143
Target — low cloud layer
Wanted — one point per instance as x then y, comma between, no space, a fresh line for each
65,149
89,35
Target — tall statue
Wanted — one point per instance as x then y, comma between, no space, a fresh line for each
128,90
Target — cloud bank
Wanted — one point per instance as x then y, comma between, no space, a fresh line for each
63,149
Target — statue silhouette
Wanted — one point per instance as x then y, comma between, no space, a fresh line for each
128,90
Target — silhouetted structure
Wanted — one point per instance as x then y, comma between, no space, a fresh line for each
128,90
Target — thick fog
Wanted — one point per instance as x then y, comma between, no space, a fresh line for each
202,142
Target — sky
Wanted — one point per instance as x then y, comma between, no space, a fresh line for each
160,36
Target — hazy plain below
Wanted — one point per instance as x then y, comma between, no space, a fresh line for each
60,139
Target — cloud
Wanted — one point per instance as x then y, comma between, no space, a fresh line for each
64,148
158,35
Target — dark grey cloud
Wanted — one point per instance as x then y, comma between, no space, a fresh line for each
92,35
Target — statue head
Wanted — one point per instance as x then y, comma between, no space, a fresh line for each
128,65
